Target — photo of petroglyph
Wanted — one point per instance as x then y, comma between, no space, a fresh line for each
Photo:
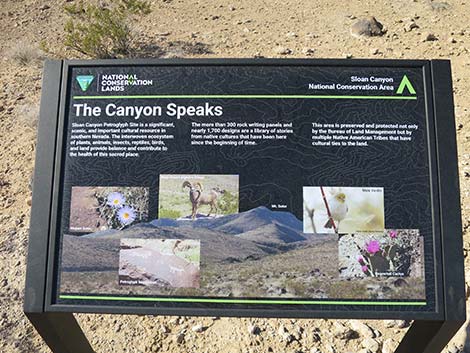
159,262
195,196
95,208
343,210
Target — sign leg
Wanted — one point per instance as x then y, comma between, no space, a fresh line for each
61,332
428,336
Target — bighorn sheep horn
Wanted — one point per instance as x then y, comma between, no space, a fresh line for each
198,184
187,184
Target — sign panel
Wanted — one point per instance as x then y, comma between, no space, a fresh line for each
247,186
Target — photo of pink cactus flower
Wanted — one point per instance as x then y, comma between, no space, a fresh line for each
373,247
393,234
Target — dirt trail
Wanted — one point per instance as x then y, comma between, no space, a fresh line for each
215,28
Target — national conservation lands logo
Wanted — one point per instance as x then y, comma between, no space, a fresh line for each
85,81
112,82
405,84
118,82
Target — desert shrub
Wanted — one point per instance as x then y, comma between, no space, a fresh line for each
166,213
102,31
24,53
228,203
296,286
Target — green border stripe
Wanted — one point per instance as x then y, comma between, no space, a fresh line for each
234,301
249,96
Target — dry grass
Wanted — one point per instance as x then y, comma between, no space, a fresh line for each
25,53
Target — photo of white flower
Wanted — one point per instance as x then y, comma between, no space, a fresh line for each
116,199
126,215
98,208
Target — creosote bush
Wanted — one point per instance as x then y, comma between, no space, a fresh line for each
102,31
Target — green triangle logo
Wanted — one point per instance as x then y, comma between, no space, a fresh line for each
85,81
405,83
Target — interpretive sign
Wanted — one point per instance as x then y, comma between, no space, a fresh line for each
298,188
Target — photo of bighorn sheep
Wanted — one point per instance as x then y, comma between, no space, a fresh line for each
198,197
194,196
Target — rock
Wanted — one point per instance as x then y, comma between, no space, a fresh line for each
429,37
232,8
282,51
292,35
342,332
371,345
308,51
439,6
316,335
455,349
367,27
175,320
388,346
452,40
314,350
396,323
297,333
285,335
348,56
410,26
330,348
44,7
362,329
403,323
374,51
164,329
179,338
254,330
198,328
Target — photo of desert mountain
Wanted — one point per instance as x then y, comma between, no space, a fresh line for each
259,253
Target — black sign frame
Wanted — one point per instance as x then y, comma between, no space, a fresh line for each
449,275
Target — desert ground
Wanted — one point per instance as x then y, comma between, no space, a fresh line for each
415,29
